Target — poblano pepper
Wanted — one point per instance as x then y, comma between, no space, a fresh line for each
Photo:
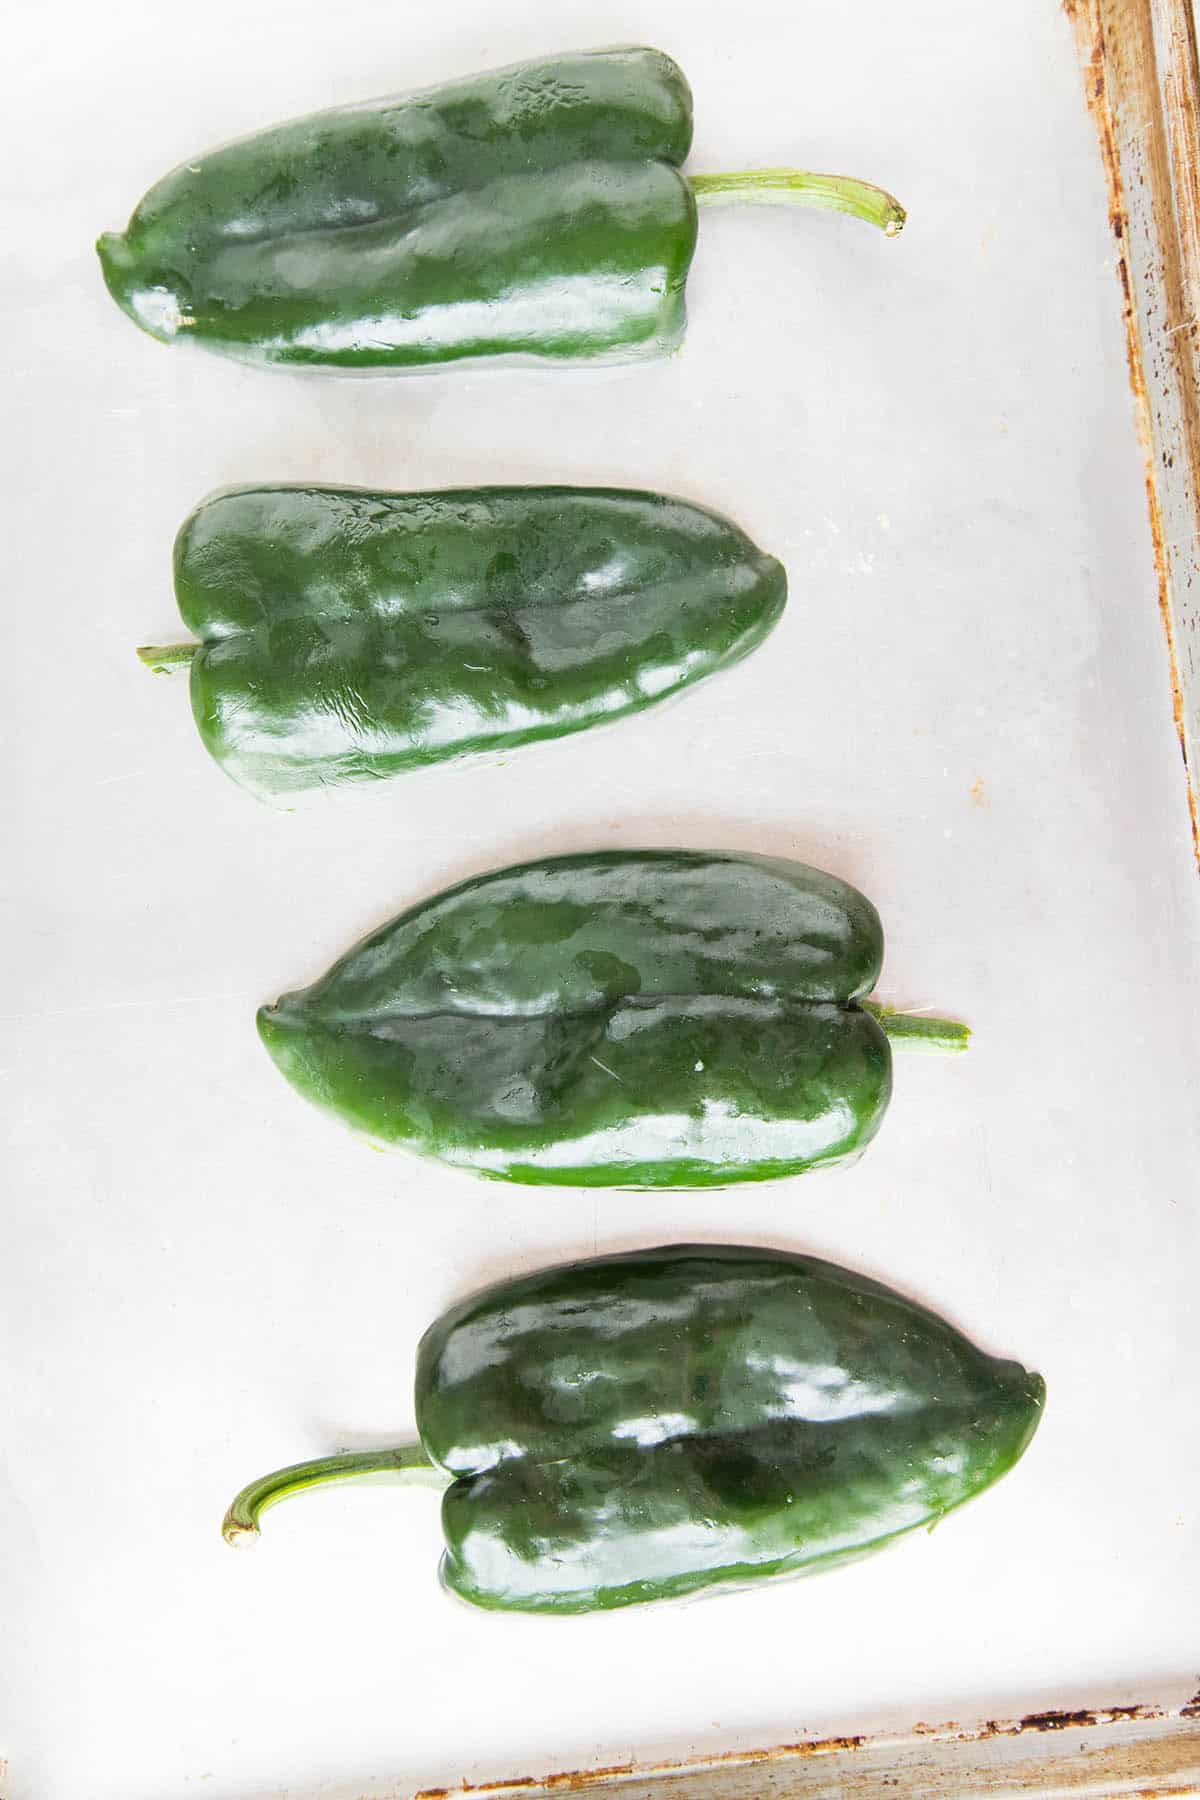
347,635
537,213
642,1426
629,1018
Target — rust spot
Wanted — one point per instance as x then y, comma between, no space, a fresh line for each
562,1780
1060,1720
1055,1721
809,1747
569,1778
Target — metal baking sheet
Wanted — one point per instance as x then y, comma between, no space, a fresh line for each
966,710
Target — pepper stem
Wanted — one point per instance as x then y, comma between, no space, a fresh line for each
802,187
408,1463
916,1031
163,658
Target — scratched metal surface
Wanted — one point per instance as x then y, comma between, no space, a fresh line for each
966,710
1142,82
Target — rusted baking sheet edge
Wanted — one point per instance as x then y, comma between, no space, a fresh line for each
1141,1751
1143,89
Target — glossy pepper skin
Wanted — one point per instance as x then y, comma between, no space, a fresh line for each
632,1018
644,1426
347,635
538,213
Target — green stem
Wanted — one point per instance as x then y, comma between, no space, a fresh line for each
163,658
802,187
916,1031
408,1462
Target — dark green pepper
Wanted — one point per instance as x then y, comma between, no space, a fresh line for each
535,213
348,635
629,1018
638,1427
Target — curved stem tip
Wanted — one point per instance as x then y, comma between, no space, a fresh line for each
408,1463
802,187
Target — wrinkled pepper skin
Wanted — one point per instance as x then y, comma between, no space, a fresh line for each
649,1425
633,1018
535,213
642,1426
348,635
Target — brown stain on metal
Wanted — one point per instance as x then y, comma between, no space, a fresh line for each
1055,1721
949,1732
561,1781
806,1747
1101,50
564,1780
